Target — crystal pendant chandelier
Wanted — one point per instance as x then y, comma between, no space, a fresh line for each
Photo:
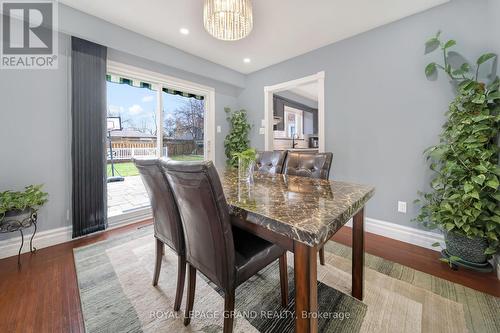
228,19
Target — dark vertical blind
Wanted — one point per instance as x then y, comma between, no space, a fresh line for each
88,110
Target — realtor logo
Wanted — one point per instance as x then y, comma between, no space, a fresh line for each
29,38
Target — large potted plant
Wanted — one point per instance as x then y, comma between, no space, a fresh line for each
237,140
20,206
464,200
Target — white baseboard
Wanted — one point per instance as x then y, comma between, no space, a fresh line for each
401,233
10,247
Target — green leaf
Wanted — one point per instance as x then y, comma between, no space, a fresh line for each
447,206
490,251
449,226
449,44
479,99
479,179
485,57
465,67
496,196
493,183
430,69
481,168
494,85
467,84
492,235
494,95
436,244
468,187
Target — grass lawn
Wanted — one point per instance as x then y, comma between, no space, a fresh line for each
123,169
187,157
128,169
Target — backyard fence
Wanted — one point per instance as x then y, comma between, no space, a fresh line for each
126,150
126,154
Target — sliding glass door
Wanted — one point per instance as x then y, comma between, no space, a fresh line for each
149,117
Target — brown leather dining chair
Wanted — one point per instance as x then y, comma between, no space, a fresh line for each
167,222
226,255
270,161
312,165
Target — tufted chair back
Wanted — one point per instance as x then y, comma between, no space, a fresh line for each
313,165
270,161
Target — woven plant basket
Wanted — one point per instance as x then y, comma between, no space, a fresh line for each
468,249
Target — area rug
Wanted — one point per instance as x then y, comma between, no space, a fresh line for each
114,279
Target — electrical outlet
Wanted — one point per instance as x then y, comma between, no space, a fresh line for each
219,129
402,207
262,130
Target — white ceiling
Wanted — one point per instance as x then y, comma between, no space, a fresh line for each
282,29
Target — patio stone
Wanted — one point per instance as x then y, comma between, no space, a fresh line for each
127,196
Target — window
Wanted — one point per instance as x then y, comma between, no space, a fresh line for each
183,126
293,123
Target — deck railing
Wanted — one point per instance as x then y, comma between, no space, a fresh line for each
121,154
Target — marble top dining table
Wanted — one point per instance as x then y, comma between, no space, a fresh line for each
300,214
303,209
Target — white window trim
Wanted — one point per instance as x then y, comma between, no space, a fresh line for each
171,82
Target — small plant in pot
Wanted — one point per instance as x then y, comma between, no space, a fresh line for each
246,163
20,206
464,200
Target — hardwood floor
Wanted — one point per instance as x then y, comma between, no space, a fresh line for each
43,296
423,260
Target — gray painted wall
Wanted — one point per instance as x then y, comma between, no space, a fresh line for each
381,112
35,135
494,12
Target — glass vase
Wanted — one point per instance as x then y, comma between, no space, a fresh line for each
245,169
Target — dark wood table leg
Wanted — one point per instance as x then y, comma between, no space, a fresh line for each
358,255
306,288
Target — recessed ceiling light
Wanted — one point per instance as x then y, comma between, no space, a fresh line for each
246,60
184,31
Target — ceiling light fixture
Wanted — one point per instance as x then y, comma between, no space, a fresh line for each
184,31
228,19
246,60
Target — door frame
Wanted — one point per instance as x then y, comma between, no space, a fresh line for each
268,107
160,81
